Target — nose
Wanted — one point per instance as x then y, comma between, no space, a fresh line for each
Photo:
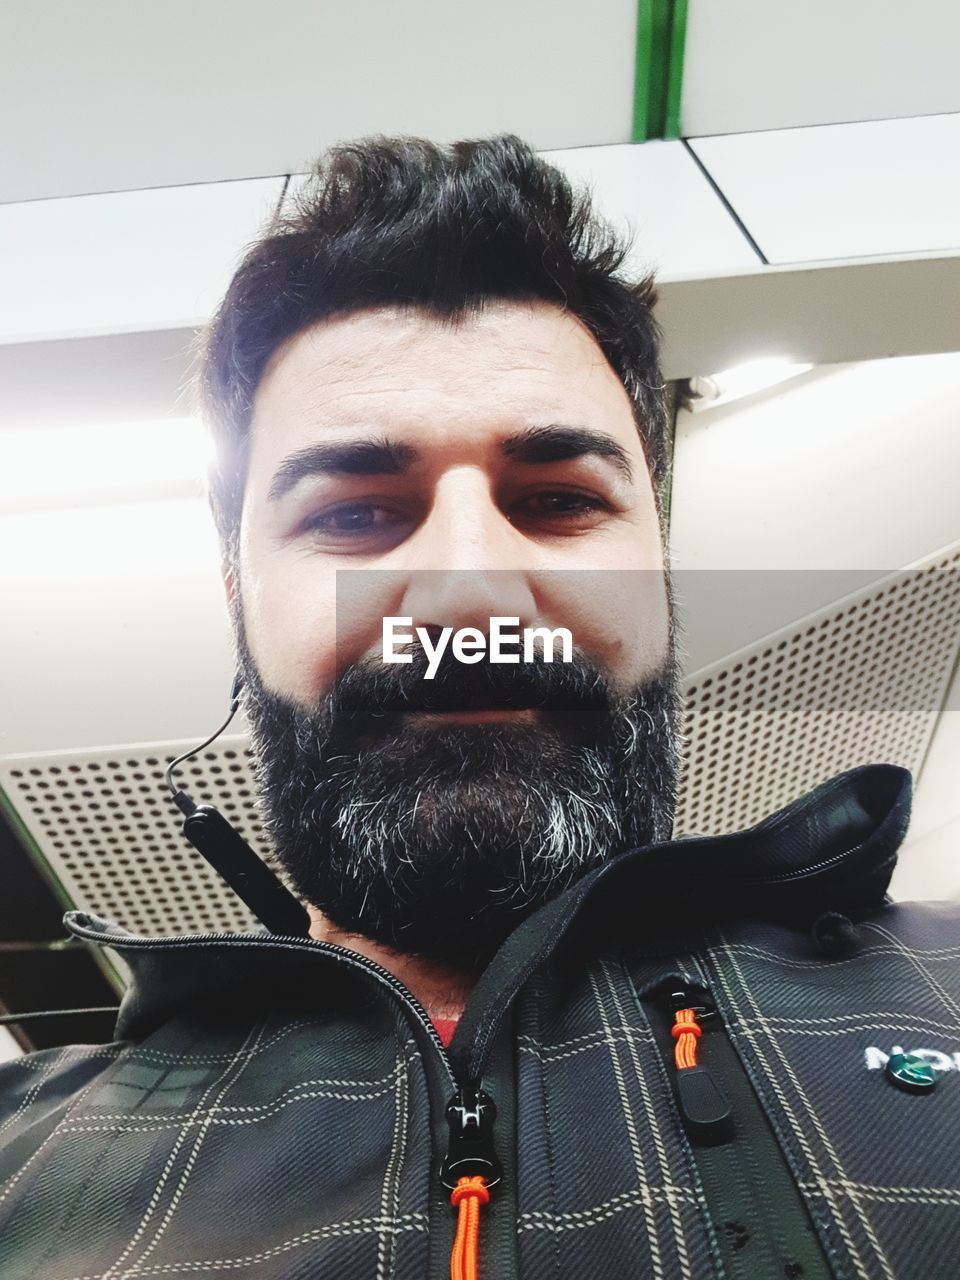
470,563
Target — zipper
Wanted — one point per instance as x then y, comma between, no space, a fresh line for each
702,1103
800,873
351,959
471,1168
762,1224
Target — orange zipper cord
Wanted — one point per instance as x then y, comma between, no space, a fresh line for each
468,1195
703,1107
686,1032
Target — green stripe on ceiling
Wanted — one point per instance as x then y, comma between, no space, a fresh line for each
661,31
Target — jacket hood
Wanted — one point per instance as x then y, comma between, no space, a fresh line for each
832,849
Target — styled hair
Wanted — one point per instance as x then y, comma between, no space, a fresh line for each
404,221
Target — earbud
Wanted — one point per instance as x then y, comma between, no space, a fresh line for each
228,853
230,856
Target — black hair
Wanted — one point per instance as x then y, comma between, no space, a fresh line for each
404,221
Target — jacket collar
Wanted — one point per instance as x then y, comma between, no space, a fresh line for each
834,848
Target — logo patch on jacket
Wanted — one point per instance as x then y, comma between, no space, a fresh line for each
876,1059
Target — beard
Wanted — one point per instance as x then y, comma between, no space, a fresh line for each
436,839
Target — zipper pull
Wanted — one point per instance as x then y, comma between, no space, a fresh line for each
470,1115
470,1171
703,1107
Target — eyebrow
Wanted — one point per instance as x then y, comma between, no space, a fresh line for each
350,458
557,443
554,443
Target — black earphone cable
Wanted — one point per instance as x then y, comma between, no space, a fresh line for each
56,1013
228,853
179,797
217,840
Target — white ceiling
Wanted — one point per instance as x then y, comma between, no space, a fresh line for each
126,261
161,259
753,64
109,95
657,197
103,267
843,191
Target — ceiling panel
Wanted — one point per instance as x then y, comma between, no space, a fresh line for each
845,191
658,196
109,95
861,680
126,261
752,65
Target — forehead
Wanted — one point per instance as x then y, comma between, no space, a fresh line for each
508,365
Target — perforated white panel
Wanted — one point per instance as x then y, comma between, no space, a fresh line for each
861,681
110,834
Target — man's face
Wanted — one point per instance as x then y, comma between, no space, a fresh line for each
490,468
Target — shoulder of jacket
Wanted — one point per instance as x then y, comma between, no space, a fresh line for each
929,924
47,1077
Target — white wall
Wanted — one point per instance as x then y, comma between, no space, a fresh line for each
929,865
115,628
8,1046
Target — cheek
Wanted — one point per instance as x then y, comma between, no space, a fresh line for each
306,621
643,623
290,624
619,617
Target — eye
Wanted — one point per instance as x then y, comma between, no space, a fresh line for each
352,520
562,506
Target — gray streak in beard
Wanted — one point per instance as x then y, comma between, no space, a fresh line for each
439,842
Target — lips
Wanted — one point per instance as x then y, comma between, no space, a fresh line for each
482,711
462,705
373,700
477,715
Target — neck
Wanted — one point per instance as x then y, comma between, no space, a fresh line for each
441,989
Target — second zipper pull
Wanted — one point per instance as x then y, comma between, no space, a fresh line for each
704,1108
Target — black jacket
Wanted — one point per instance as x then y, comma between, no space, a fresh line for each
277,1107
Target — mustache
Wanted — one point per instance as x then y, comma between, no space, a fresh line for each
371,692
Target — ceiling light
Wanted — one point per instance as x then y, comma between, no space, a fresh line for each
744,380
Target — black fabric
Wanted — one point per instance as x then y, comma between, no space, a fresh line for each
760,1217
275,1108
838,842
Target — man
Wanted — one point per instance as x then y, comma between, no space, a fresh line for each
438,406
